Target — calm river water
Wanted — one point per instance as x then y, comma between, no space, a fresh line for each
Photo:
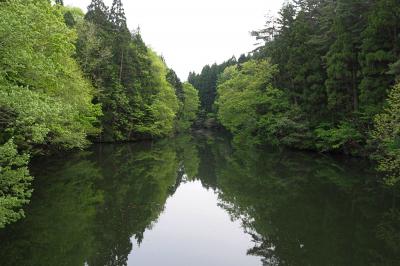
203,201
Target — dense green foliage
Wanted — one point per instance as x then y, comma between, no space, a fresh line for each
44,98
387,135
206,82
14,183
248,105
188,100
335,63
67,77
188,107
324,79
140,96
45,102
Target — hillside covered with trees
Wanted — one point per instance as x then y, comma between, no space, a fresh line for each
68,78
323,79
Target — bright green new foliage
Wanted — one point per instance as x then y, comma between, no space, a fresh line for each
66,77
45,102
163,104
188,102
387,134
191,102
188,108
343,137
240,93
137,100
36,119
335,62
249,105
44,97
14,183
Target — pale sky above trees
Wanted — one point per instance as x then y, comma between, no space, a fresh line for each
190,34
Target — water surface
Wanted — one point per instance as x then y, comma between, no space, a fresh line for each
203,201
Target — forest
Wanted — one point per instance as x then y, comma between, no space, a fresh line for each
69,78
288,154
325,77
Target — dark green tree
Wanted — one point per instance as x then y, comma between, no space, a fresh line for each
130,78
343,67
206,83
176,83
117,14
380,49
97,13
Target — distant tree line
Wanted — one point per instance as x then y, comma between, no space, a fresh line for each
324,79
206,81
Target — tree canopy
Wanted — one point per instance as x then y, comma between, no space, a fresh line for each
68,78
332,67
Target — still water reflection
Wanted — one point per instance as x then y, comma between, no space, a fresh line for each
204,201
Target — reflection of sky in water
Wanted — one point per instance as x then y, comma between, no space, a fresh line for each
193,231
298,208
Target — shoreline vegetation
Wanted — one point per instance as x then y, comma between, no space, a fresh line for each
68,78
324,79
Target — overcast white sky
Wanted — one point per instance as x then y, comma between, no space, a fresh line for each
192,33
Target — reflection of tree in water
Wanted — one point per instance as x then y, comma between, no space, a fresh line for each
138,179
89,208
188,158
136,184
58,224
301,209
298,208
212,150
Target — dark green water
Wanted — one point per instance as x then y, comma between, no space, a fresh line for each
202,201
